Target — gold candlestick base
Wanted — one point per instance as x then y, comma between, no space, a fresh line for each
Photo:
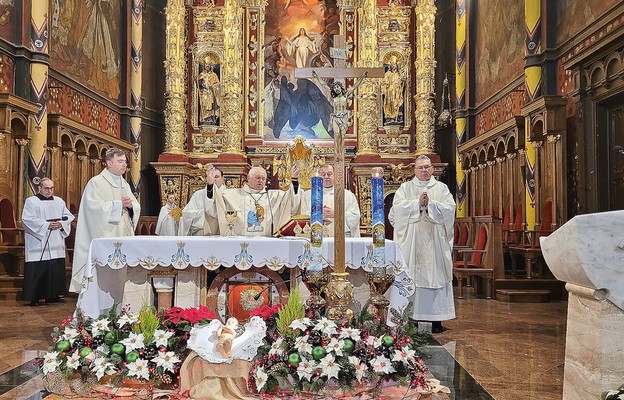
339,292
315,281
379,282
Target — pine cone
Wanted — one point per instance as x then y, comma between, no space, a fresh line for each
165,379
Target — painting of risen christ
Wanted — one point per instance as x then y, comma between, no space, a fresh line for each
298,34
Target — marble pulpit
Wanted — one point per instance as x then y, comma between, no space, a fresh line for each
588,254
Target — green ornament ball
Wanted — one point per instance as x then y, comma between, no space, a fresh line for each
110,338
348,345
318,352
388,340
118,348
132,356
294,359
63,345
85,351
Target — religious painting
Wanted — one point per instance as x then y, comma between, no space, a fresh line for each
85,43
393,90
575,15
208,91
298,34
7,20
500,43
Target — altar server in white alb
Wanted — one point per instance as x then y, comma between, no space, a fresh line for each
259,212
107,209
351,207
424,213
47,222
169,218
195,221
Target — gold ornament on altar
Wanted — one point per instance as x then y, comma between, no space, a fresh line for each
230,217
339,293
379,281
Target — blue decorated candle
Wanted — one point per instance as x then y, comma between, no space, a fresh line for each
377,212
316,222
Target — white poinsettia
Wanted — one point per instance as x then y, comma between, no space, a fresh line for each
166,360
382,365
102,366
139,369
336,346
161,337
306,368
73,362
100,326
351,333
302,345
103,348
360,368
276,347
326,326
128,318
261,378
374,341
133,342
405,355
50,362
300,324
329,366
70,334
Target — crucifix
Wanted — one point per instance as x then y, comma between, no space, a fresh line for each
339,291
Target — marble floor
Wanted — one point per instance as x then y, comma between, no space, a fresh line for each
493,350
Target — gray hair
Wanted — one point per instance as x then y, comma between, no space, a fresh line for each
423,157
255,170
114,152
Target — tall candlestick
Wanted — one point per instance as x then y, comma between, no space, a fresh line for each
377,212
316,223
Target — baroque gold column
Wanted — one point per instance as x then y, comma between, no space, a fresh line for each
425,76
175,72
136,79
367,92
232,113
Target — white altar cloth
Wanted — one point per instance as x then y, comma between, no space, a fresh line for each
109,258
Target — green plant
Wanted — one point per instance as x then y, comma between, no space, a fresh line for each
294,309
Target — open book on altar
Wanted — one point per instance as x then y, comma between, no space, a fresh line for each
298,226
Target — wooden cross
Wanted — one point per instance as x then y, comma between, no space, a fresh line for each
337,103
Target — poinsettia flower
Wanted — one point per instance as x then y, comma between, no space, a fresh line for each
276,347
351,333
101,366
128,318
50,362
302,345
166,360
161,337
360,368
300,324
70,334
326,326
374,341
306,368
133,342
383,365
100,326
404,355
173,314
73,362
261,378
138,369
329,366
265,312
103,348
336,346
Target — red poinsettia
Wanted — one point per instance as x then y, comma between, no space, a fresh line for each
265,311
190,315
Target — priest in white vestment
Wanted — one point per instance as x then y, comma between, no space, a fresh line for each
107,209
195,221
169,218
47,222
351,207
424,212
259,212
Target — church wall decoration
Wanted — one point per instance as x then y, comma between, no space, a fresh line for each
7,19
85,43
500,111
7,69
578,14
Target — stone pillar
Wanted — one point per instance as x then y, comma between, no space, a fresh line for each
164,289
532,65
136,79
460,98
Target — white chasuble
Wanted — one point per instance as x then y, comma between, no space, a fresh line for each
351,208
196,219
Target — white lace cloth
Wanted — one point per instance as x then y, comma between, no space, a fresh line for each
203,341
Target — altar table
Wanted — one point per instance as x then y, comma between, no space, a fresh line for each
117,268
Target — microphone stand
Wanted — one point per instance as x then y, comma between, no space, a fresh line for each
49,233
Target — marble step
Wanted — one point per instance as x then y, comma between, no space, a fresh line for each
523,296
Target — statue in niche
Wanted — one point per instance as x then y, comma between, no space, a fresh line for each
392,88
209,87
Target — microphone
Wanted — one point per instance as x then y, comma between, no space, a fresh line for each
618,149
270,206
302,274
63,218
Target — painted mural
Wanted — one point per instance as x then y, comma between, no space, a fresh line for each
85,41
7,19
574,15
499,49
298,34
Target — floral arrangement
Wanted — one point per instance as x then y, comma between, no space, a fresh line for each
147,345
318,354
614,394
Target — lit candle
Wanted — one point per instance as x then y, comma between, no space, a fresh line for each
377,212
316,222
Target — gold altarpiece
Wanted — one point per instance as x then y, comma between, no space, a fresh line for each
227,59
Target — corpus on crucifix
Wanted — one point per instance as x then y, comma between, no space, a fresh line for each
339,291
